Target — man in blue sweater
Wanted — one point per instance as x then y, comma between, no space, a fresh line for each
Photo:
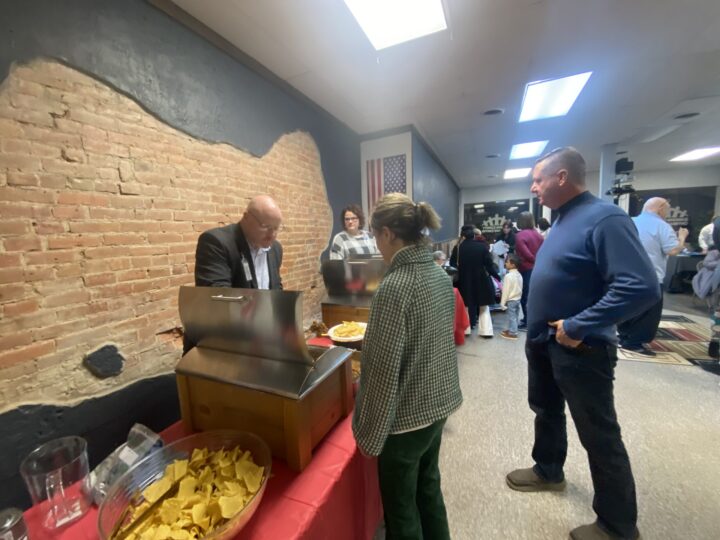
590,273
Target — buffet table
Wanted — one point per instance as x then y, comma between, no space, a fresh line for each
684,265
336,496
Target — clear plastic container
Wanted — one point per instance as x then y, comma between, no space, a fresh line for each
141,441
128,490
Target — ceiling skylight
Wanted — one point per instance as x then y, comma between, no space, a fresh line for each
511,174
528,149
700,153
389,22
554,97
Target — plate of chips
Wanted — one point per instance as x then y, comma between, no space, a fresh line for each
348,334
207,485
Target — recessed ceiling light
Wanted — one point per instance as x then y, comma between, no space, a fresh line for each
492,156
493,112
685,116
516,173
389,22
479,205
527,150
700,153
554,97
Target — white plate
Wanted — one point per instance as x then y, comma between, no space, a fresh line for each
331,334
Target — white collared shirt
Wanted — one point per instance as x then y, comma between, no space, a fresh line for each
262,272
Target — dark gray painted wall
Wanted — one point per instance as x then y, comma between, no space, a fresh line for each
104,422
432,184
178,76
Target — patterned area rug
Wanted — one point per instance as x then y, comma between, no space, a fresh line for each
680,341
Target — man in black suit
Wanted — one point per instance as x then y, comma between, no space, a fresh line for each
245,254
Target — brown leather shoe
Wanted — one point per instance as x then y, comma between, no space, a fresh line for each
528,480
594,532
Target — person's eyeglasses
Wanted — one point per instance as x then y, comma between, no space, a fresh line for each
352,219
264,227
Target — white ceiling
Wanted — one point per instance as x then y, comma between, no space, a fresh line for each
651,59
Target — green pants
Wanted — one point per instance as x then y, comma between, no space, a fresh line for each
410,485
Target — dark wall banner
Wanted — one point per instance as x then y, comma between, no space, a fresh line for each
489,216
691,208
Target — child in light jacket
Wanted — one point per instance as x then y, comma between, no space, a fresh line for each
512,287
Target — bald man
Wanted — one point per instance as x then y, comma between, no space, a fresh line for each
660,241
589,274
246,254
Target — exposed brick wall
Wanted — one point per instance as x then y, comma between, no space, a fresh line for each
101,205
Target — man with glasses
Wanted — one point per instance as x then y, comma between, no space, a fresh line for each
243,255
590,273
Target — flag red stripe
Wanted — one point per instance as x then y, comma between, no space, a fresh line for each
378,179
367,183
370,184
372,166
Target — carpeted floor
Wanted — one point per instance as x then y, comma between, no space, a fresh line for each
670,416
680,340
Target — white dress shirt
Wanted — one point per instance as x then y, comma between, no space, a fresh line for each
262,272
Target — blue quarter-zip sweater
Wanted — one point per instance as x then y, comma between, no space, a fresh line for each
591,271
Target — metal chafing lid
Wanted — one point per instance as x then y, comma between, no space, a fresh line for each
252,338
261,323
288,379
355,276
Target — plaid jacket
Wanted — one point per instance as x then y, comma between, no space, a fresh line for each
409,375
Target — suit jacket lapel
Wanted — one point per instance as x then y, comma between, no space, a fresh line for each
272,267
244,249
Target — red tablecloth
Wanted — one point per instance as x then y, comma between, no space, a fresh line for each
336,496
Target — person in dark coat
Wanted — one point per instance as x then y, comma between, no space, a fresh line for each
474,263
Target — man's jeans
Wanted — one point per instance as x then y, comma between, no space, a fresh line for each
513,314
584,378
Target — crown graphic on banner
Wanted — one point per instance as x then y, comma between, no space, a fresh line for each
676,213
493,224
676,216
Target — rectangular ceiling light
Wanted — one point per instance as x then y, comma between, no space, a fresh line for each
389,22
554,97
528,149
511,174
700,153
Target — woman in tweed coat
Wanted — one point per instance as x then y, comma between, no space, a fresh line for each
409,383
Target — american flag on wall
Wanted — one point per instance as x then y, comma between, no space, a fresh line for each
385,175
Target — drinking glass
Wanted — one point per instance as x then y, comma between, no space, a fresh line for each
56,475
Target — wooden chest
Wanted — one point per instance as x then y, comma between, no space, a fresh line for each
334,313
291,426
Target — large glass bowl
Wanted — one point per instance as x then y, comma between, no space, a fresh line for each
129,487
